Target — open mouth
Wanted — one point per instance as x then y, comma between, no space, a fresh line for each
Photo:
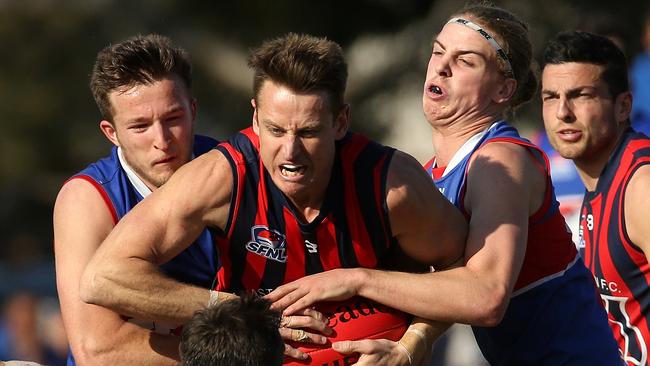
435,89
570,135
290,170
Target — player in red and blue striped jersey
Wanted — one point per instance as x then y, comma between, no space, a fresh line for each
586,106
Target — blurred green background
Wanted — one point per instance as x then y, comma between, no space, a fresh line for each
49,121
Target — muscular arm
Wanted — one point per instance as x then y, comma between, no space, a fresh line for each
504,188
637,209
426,225
97,336
123,275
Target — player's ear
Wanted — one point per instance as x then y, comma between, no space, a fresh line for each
256,124
109,131
193,106
623,107
342,121
505,91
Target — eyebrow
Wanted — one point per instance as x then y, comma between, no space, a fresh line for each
571,92
460,52
175,109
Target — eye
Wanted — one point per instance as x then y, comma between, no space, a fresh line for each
175,119
138,127
275,131
308,133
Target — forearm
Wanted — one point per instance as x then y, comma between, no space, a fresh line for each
140,290
452,296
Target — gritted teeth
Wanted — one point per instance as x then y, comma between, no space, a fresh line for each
291,170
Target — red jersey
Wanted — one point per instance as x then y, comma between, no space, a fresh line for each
265,245
620,268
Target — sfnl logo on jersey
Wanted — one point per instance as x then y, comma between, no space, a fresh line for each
268,243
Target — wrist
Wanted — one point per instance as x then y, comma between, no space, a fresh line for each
361,281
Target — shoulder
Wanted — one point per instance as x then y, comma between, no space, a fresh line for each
637,208
501,155
406,181
84,205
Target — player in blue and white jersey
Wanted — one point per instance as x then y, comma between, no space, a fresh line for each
143,89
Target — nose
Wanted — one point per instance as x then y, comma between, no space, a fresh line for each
440,64
292,146
564,111
162,136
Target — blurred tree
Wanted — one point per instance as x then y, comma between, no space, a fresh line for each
49,120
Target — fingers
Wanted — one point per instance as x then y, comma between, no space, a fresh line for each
294,302
302,336
279,292
294,299
362,347
311,319
294,352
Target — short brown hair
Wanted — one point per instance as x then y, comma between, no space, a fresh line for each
302,63
239,332
137,60
512,34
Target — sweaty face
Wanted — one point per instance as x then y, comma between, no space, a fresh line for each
153,126
297,134
579,112
462,76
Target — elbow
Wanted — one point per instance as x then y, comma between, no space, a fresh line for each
490,311
92,351
90,288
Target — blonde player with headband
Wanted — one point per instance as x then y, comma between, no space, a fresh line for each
523,287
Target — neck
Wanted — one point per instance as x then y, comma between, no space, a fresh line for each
449,138
306,211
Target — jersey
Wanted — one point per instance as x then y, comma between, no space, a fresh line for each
265,245
554,316
198,263
567,184
620,268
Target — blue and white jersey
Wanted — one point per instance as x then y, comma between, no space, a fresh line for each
121,190
554,316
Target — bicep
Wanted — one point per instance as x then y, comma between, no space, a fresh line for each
81,221
173,216
427,226
502,184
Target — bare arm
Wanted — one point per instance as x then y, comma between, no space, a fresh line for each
637,209
504,189
97,336
123,275
426,225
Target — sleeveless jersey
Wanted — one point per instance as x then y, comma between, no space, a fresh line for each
554,316
620,268
264,243
197,264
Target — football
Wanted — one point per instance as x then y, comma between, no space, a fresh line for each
354,319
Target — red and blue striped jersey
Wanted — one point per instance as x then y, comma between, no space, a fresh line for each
620,268
265,245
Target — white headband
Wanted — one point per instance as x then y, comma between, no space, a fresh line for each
497,47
